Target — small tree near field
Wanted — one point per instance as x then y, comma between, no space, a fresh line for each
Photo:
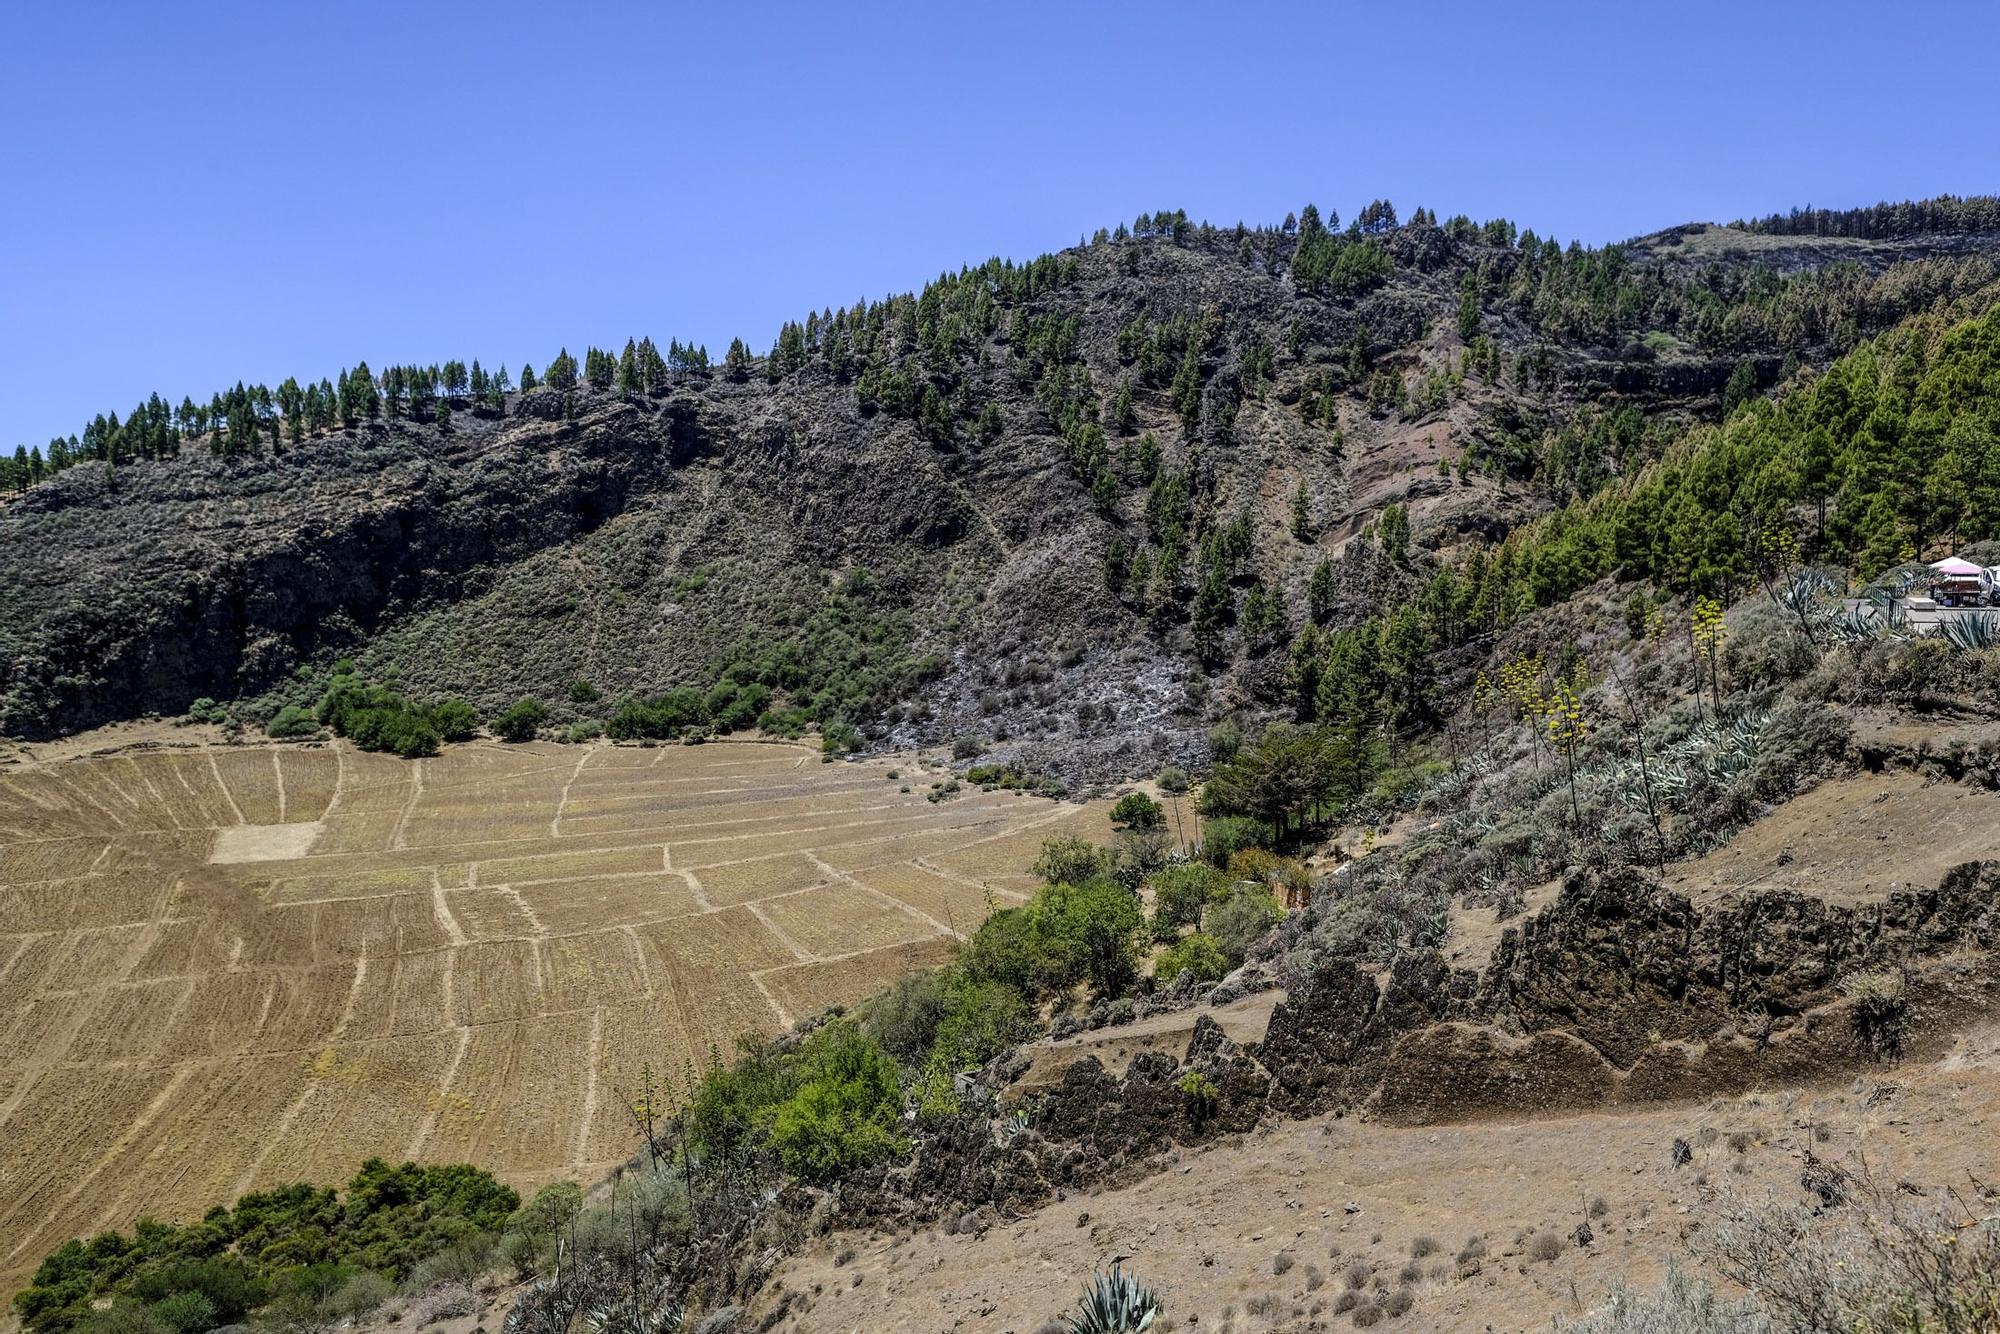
1136,810
521,721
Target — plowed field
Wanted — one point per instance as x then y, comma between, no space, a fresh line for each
221,968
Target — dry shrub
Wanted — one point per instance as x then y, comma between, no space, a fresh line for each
447,1301
1868,1254
1314,1278
1366,1314
1881,1009
1682,1305
1357,1273
1424,1246
1267,1304
1398,1302
1346,1302
1544,1246
1598,1207
1281,1263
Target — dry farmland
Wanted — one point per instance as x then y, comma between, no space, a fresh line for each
222,968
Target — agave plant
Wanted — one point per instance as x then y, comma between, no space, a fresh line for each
646,1308
1804,588
1854,625
1114,1303
1980,629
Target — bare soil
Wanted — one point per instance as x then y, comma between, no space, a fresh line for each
1852,840
1272,1222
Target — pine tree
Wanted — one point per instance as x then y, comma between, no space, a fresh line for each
527,376
1302,513
561,375
631,379
366,393
736,362
1322,593
1395,533
653,369
1468,307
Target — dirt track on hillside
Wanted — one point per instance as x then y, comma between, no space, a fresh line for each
1210,1228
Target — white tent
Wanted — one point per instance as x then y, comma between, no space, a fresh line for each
1955,568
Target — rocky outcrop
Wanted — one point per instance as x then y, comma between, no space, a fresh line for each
1625,966
217,577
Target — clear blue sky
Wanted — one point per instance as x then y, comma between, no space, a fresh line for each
200,193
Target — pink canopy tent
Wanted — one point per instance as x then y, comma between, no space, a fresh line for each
1953,567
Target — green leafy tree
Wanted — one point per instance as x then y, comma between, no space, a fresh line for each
521,720
1198,954
1136,810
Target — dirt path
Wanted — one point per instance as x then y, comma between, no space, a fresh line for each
1258,1234
1243,1020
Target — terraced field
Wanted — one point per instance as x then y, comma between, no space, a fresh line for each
222,968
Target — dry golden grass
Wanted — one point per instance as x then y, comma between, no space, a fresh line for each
225,967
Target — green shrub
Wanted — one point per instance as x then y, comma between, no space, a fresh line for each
229,1287
1198,954
375,717
845,1111
1088,933
206,710
947,1015
289,722
1007,951
1066,934
582,692
1222,837
296,1243
1136,810
659,718
1240,921
521,720
820,1108
1182,893
732,707
1069,860
454,720
789,723
185,1313
361,1293
1268,868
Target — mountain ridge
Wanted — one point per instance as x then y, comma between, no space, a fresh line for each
942,485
